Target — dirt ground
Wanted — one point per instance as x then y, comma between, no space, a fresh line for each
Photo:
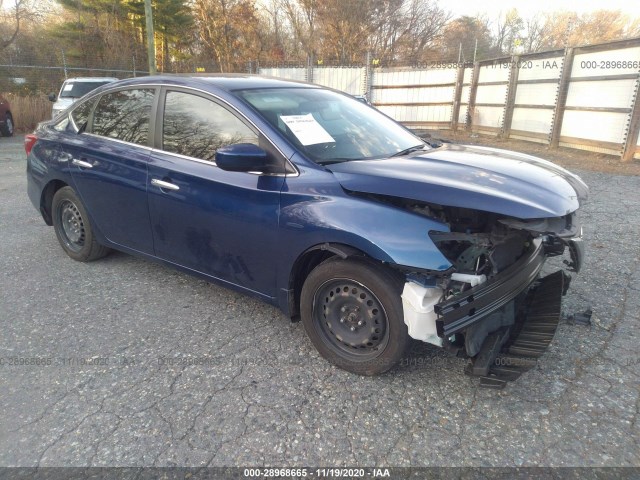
569,158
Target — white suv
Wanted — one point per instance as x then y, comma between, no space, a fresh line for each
74,88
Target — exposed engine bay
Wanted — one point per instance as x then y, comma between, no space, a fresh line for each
481,302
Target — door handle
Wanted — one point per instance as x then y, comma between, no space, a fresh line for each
164,185
81,163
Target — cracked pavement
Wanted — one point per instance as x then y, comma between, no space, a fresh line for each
146,366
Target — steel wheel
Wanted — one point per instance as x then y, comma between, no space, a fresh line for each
352,312
73,228
350,318
73,232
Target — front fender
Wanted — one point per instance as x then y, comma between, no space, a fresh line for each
383,232
315,211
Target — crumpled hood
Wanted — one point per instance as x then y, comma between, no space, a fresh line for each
480,178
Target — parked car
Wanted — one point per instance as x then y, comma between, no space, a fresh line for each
73,89
6,118
319,204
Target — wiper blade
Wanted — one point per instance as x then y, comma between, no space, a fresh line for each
409,150
334,160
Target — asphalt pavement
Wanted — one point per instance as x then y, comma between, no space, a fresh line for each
123,362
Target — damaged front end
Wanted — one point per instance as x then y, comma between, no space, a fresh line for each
494,308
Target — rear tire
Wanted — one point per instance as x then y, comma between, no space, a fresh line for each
8,127
73,229
352,312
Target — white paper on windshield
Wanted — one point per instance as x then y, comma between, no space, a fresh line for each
306,129
67,87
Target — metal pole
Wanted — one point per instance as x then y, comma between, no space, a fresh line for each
151,47
475,50
561,100
64,64
511,97
367,76
457,94
309,72
475,76
633,128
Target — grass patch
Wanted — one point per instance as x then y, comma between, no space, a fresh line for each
29,111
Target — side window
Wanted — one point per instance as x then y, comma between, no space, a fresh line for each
80,114
124,115
197,127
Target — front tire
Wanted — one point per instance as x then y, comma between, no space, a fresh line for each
73,229
352,312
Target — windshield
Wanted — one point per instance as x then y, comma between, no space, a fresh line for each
329,127
79,89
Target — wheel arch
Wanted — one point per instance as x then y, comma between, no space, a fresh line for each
310,259
46,198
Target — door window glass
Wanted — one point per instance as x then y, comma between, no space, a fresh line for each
197,127
124,115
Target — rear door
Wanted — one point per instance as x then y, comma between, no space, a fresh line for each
109,164
220,223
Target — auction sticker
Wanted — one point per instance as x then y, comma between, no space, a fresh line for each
306,129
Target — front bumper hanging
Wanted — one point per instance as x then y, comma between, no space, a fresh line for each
507,354
476,303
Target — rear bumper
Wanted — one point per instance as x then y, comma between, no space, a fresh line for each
473,305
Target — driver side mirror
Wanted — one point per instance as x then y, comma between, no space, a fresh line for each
242,157
52,97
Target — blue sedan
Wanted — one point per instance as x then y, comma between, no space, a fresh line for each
315,202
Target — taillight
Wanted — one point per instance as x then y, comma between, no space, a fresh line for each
29,141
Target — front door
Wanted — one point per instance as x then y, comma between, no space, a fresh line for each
220,223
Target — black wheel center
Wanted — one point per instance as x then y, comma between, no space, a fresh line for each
352,317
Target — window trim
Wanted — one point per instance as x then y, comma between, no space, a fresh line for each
292,169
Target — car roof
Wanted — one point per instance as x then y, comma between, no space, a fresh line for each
228,82
92,79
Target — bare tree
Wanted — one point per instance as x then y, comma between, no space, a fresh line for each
227,30
600,26
533,31
302,17
468,38
425,22
508,31
18,12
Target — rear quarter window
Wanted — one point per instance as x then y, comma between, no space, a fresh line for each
124,115
80,114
